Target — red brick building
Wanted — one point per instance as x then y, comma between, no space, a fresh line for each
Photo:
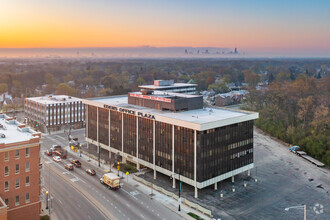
19,170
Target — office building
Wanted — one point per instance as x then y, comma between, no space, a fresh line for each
173,134
54,112
170,86
19,170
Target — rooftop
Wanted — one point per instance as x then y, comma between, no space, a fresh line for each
12,131
200,119
53,99
174,85
166,84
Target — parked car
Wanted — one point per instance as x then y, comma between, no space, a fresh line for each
76,163
91,172
69,166
57,158
49,152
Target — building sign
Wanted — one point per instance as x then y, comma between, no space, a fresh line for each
128,111
146,115
150,97
124,110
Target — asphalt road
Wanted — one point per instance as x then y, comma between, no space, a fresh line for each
80,196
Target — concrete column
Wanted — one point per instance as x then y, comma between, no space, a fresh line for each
124,159
233,179
86,120
154,146
109,135
249,172
195,162
122,134
173,172
97,129
215,186
137,143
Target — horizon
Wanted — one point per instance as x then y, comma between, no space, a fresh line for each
295,28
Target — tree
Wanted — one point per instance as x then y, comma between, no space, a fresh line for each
64,89
283,76
140,81
251,78
50,79
3,88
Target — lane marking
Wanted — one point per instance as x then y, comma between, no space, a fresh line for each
129,194
88,197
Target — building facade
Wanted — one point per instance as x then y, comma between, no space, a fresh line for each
170,86
53,113
202,145
19,169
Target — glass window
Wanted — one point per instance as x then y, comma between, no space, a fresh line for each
27,197
6,156
17,169
6,170
17,183
7,202
17,200
6,186
27,152
17,154
27,181
27,166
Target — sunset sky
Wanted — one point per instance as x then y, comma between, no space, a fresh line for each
253,25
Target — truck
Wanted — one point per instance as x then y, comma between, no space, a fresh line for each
111,180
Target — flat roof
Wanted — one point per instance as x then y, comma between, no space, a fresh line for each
53,99
165,94
14,131
200,119
174,85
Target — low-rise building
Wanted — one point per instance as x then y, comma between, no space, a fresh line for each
54,112
170,86
19,170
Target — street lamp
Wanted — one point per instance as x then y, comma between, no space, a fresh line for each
46,199
80,149
180,185
298,207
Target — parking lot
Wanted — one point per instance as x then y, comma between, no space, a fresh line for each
283,180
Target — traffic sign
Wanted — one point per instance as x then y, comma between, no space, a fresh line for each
127,173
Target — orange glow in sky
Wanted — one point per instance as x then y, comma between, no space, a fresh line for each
104,23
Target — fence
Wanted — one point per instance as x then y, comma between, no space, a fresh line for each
174,196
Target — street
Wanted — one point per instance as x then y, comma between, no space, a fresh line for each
78,195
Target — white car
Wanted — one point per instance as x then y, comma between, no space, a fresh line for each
57,158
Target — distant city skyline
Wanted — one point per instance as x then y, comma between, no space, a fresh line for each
278,28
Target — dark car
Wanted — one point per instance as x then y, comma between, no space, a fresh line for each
60,153
69,166
76,163
91,172
49,152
